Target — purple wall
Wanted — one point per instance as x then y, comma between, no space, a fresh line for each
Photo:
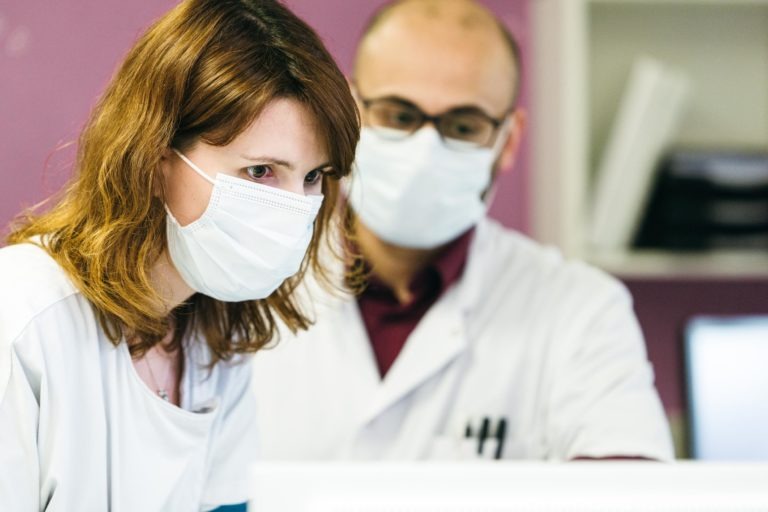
664,306
55,60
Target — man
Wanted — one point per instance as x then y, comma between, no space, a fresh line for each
469,341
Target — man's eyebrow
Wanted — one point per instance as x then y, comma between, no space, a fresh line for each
475,109
469,108
466,108
395,99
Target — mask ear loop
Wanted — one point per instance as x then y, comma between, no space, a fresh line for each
194,167
498,147
501,137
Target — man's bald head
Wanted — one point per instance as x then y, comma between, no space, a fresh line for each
450,21
426,66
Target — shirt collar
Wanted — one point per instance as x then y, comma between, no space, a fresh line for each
447,268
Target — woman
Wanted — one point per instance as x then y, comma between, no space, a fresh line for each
205,174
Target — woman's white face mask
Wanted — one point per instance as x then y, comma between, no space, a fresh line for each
416,192
250,238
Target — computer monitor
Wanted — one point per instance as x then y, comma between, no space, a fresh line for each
726,362
509,487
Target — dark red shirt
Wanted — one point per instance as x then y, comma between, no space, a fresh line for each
388,322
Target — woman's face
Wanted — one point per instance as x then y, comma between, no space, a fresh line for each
281,148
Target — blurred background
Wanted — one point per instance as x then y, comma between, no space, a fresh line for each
622,97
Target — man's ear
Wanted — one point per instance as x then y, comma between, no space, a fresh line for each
352,86
355,95
518,121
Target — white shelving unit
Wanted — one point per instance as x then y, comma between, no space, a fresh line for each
582,55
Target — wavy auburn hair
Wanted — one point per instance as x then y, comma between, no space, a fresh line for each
204,71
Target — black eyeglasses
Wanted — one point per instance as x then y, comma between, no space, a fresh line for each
461,128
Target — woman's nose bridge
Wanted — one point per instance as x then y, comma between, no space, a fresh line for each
293,182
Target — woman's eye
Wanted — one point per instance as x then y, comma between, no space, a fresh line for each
258,171
313,177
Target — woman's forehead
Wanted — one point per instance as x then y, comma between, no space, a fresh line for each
287,130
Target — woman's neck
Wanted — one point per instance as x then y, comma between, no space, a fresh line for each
169,284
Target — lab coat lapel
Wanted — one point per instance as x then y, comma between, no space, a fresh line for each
361,368
436,341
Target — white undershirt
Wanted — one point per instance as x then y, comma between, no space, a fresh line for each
80,430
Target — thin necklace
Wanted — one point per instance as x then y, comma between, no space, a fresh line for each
162,392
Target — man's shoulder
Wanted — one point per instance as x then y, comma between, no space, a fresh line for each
510,258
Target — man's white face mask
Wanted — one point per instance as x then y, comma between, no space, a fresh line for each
416,192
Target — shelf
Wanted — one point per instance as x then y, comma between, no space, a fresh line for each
711,44
583,51
721,264
727,3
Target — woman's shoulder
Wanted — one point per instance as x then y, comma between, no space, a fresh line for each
28,269
31,282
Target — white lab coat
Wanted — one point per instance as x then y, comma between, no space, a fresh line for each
79,429
552,347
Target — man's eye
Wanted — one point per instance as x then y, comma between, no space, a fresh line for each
403,119
465,129
258,171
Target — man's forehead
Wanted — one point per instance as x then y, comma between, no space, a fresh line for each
436,87
438,56
465,13
448,19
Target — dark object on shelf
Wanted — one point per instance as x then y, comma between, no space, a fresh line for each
708,200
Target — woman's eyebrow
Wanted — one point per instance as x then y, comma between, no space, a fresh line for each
322,166
282,163
268,160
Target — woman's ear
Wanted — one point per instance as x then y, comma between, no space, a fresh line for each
167,154
518,121
166,159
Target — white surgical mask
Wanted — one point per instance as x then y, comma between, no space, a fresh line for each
416,192
247,242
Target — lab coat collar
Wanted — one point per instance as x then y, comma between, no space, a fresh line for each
438,339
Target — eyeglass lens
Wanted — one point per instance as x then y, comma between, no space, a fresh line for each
461,126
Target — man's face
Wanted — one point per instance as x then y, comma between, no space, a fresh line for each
438,57
439,64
